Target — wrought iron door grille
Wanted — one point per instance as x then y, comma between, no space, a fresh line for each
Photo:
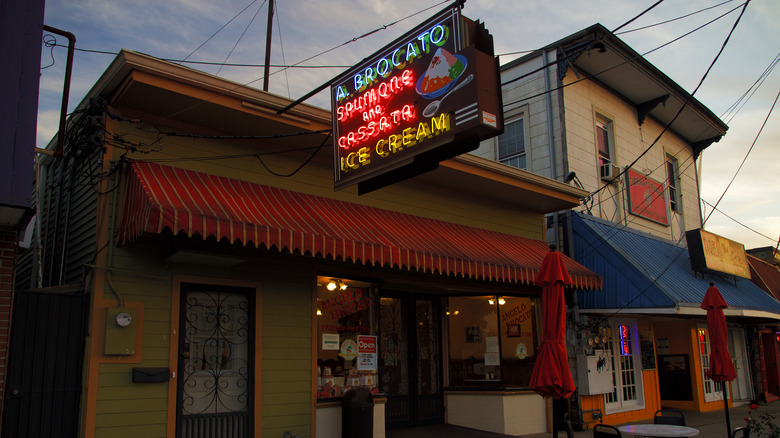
215,364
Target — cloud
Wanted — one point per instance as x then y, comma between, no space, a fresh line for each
48,122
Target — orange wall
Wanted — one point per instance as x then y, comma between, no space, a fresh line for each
683,339
652,397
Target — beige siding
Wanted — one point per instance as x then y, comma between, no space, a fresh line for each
583,100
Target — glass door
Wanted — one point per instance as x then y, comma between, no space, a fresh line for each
410,360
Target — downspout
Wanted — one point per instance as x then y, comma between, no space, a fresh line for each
65,91
550,140
548,101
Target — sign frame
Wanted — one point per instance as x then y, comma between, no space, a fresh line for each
386,127
709,251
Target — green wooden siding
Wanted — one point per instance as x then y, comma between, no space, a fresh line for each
287,359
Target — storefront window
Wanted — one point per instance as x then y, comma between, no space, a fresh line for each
492,340
347,353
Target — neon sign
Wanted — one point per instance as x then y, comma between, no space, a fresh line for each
625,340
389,111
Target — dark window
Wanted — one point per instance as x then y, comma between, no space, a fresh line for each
603,135
511,144
672,181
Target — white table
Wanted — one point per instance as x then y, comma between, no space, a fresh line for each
658,430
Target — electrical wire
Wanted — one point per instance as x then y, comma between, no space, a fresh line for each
240,37
637,17
50,42
218,31
551,63
744,159
300,62
738,222
281,45
736,106
226,64
689,97
287,175
673,19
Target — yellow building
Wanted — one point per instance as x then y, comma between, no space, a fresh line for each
228,287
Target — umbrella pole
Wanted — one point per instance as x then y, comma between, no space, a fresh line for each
726,405
555,417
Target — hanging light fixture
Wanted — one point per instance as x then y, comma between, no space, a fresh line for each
335,283
501,301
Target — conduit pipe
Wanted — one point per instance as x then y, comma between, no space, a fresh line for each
65,92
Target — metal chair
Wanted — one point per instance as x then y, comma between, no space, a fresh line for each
669,416
741,432
606,431
566,424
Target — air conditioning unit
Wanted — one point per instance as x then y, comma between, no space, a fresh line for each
609,172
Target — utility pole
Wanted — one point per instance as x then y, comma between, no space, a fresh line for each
266,70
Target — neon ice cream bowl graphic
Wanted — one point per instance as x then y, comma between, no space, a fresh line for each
443,73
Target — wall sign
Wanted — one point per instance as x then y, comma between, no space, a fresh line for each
430,95
716,253
646,197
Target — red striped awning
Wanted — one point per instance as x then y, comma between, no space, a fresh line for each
160,197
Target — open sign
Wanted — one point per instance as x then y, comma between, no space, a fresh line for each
366,344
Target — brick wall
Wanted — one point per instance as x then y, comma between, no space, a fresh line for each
8,251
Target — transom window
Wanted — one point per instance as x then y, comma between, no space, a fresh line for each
511,144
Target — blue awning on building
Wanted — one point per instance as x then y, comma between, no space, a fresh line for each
645,274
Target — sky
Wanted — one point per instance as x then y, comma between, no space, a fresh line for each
217,31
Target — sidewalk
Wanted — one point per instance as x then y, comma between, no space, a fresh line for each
710,424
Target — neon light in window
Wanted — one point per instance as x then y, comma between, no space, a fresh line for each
625,340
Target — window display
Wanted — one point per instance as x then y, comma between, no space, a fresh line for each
492,340
347,343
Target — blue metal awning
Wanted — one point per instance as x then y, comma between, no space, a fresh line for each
645,274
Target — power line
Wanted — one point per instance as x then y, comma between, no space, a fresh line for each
226,64
689,98
673,19
738,222
219,30
240,37
637,17
744,159
736,106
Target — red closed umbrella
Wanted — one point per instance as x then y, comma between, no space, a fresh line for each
551,376
721,367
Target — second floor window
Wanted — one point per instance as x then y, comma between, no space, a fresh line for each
604,139
672,179
511,144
